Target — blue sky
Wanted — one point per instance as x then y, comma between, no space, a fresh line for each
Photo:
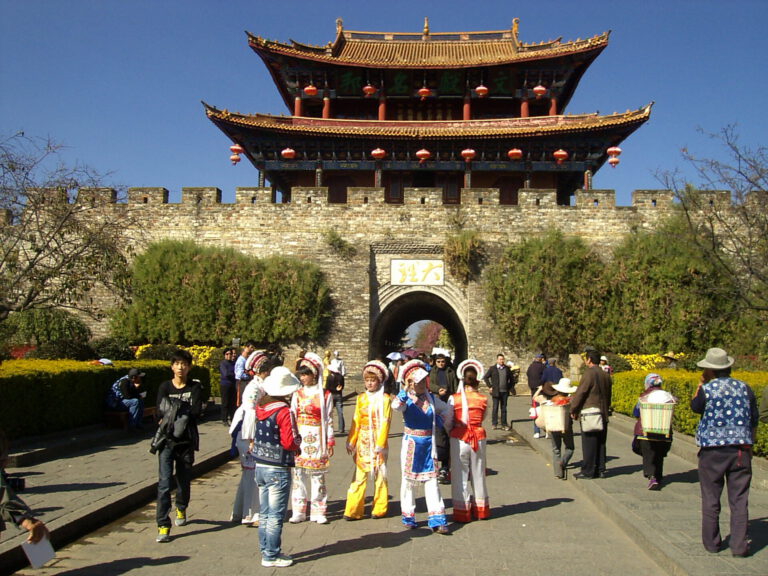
120,82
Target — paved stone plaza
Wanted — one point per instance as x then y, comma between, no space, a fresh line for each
540,525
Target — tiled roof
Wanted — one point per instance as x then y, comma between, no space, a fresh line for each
454,50
418,130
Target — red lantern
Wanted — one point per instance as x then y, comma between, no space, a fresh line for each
613,161
539,91
425,92
288,153
614,151
423,155
481,91
235,158
369,90
515,154
468,154
310,90
378,153
560,155
236,149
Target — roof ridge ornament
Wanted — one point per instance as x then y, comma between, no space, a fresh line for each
426,28
515,28
339,25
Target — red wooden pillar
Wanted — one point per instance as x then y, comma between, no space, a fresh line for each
297,106
467,115
382,107
326,106
553,106
524,112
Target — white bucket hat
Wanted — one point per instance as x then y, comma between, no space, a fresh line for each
716,359
280,382
564,386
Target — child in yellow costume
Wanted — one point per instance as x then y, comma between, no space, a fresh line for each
367,443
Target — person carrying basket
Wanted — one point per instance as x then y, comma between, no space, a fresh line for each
653,429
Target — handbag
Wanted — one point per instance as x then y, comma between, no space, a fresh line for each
591,420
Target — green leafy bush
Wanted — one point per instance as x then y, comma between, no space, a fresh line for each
62,349
189,294
542,294
112,348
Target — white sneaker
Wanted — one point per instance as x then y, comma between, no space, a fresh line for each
537,435
296,519
281,561
322,520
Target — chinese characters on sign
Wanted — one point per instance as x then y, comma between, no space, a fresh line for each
417,272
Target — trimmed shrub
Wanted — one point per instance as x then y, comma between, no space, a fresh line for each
74,392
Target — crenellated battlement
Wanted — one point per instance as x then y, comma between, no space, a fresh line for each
356,196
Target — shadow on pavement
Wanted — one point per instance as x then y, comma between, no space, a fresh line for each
365,542
79,487
122,566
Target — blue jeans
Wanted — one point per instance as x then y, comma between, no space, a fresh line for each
135,408
274,489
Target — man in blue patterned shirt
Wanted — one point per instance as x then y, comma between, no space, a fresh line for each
725,436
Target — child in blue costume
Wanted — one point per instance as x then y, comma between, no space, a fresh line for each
422,413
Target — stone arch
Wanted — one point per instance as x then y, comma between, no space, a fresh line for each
401,306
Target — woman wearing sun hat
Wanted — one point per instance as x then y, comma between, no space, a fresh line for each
725,438
468,439
422,413
312,406
562,440
652,447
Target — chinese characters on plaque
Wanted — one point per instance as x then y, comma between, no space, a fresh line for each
417,272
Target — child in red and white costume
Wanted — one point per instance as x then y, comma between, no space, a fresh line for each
468,441
312,407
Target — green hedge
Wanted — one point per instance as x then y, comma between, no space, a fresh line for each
46,396
682,384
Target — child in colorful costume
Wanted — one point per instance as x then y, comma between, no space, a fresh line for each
468,441
368,445
422,412
312,407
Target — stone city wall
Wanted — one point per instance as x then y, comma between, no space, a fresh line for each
257,226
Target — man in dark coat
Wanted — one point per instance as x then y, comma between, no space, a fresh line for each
500,380
443,383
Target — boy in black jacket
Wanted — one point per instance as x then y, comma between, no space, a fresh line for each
179,403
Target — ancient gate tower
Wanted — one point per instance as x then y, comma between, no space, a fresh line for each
394,140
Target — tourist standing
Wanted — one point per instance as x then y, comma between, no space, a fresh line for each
368,444
468,440
591,404
500,380
534,374
179,404
422,412
276,443
228,385
241,375
312,407
725,439
443,382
